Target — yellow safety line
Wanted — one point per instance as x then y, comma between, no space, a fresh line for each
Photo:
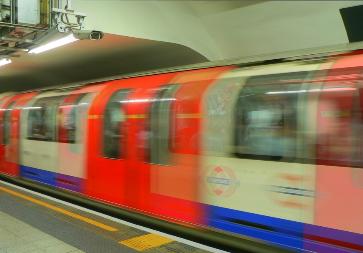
60,210
145,242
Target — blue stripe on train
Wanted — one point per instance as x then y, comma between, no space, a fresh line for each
277,231
257,226
52,178
69,182
43,176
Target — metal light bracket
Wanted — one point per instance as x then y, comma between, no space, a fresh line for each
55,17
62,18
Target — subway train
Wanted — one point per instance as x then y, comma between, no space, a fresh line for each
271,150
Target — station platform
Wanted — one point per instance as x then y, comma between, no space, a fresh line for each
33,222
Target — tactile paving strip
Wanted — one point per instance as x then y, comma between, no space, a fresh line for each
145,242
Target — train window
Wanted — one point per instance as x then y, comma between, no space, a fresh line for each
114,117
266,117
339,119
68,113
7,123
42,119
160,125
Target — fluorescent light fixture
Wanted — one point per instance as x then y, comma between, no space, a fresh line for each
312,90
54,44
285,92
4,62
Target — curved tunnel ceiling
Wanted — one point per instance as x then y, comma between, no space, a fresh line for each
88,60
216,29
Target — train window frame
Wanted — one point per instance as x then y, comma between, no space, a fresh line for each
161,122
63,127
7,123
110,139
255,89
49,122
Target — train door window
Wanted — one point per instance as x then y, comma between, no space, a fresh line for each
7,123
114,119
340,120
160,125
68,119
266,117
42,119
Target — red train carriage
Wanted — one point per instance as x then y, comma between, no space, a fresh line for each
10,122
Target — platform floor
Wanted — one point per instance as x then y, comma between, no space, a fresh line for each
31,222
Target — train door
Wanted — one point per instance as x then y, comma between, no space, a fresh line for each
72,133
339,184
174,139
108,128
116,167
39,138
3,102
6,131
166,176
10,133
137,185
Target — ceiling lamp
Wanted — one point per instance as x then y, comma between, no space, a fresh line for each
53,44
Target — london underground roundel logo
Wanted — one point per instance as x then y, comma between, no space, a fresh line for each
221,181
